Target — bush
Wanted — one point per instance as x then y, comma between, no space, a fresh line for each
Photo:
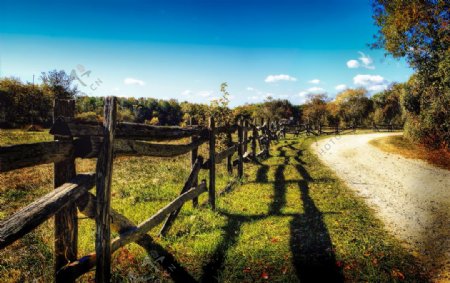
88,117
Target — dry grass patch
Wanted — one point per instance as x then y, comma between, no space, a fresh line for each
401,145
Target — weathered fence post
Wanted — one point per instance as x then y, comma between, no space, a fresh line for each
66,224
212,163
268,136
245,135
103,184
230,157
240,149
254,136
194,154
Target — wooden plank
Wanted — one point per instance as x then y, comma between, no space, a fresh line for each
139,148
220,156
26,155
229,129
229,142
194,154
90,147
187,185
103,192
125,130
157,218
212,164
66,221
245,133
254,137
87,204
240,150
34,214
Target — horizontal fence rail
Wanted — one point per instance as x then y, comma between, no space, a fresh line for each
31,216
104,141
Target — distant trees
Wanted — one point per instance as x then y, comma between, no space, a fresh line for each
315,110
354,106
387,104
24,103
273,109
420,31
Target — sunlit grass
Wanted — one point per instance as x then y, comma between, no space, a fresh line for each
289,215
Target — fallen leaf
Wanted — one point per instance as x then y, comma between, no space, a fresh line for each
397,274
264,275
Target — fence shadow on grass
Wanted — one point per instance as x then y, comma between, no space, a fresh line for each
311,246
169,263
310,243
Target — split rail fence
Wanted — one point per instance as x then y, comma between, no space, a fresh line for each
104,141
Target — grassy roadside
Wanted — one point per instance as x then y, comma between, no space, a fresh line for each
291,219
403,146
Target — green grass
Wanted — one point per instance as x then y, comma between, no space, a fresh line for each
291,218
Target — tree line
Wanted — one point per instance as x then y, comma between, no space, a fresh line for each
25,103
419,31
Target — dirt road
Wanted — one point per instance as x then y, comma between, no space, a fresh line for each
410,196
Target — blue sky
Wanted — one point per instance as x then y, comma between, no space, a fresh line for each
186,49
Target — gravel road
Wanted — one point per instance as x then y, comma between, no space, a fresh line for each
410,196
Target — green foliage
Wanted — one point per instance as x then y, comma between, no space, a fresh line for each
387,105
354,106
315,110
24,103
420,31
88,116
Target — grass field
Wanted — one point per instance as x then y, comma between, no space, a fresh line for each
291,219
408,149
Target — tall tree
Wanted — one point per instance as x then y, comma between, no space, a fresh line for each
419,30
59,83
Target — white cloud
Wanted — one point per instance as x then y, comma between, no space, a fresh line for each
365,80
377,88
281,77
249,88
372,83
315,81
303,93
366,61
353,64
311,90
341,87
133,81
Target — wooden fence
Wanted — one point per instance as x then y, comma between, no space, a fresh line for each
334,130
103,141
